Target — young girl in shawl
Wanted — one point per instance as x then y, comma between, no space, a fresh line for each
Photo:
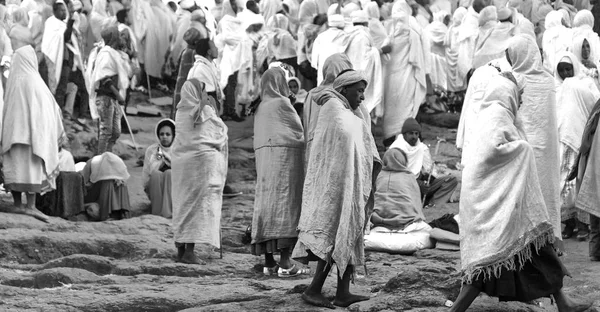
279,149
298,93
157,169
109,84
32,132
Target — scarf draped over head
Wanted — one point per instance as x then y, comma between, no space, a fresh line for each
31,115
570,58
166,151
281,42
556,39
488,14
524,55
268,8
578,47
501,194
276,122
348,78
372,10
395,160
584,18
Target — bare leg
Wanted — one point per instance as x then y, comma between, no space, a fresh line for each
566,304
343,297
269,260
17,199
189,256
312,295
32,210
284,260
467,295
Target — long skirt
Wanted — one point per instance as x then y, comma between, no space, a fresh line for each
67,200
24,171
280,179
109,196
197,188
159,192
541,276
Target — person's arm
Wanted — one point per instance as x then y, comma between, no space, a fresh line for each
69,30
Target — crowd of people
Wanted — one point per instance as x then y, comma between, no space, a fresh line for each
318,75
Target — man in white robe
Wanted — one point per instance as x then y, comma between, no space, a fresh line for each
333,40
366,58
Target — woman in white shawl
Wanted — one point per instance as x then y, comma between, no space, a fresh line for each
537,115
583,25
32,132
405,72
268,8
199,169
279,149
506,249
568,66
19,33
456,81
577,98
492,41
585,53
436,32
557,38
378,32
156,174
282,45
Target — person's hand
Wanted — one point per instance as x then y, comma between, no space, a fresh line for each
386,49
292,98
588,64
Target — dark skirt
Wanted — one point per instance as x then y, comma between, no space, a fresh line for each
67,200
541,276
109,196
273,246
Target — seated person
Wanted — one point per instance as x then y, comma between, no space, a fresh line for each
157,170
105,179
397,196
436,190
66,200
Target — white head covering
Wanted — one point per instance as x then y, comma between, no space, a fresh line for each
488,14
186,4
359,17
584,18
372,10
336,20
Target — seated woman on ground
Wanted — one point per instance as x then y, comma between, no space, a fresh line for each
398,198
105,179
157,170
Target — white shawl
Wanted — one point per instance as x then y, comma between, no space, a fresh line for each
578,96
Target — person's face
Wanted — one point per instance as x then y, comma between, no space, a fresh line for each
212,49
355,94
165,135
61,12
585,49
411,137
293,86
565,70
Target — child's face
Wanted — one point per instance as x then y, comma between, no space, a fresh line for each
293,86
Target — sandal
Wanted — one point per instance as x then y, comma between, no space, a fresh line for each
270,271
291,272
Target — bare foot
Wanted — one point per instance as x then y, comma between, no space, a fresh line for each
349,299
566,304
34,212
190,258
317,300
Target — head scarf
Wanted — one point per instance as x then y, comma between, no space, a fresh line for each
566,17
578,47
274,84
165,151
348,78
20,17
458,16
488,14
395,160
372,10
333,66
359,17
336,20
584,18
279,21
110,35
567,57
307,12
553,19
524,55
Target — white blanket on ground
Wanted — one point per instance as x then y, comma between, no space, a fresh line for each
501,192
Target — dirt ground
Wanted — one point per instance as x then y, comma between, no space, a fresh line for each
129,265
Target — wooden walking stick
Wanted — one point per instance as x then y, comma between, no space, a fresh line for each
129,127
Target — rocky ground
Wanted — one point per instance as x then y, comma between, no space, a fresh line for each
129,265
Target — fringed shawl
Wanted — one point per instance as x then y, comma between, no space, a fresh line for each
501,193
